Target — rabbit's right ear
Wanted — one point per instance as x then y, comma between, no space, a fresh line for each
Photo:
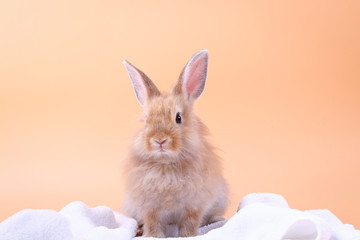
192,79
143,86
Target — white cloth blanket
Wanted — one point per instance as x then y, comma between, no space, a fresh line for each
261,216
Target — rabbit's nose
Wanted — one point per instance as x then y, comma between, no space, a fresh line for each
160,142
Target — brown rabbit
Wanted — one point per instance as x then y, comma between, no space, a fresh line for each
174,175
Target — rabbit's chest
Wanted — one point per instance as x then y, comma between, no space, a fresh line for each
170,187
169,181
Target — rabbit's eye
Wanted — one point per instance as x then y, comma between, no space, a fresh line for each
178,118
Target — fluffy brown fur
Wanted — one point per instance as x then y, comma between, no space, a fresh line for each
173,173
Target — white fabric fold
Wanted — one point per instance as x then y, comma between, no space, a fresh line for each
261,216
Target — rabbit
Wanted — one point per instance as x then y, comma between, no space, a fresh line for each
174,176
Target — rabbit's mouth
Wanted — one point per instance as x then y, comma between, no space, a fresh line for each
162,149
164,155
161,145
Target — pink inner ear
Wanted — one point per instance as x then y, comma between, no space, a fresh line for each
195,77
139,86
140,92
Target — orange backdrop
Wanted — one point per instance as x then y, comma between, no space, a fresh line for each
282,98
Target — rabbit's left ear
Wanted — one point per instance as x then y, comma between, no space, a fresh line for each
192,79
143,86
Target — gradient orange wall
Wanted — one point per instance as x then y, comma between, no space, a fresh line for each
282,98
